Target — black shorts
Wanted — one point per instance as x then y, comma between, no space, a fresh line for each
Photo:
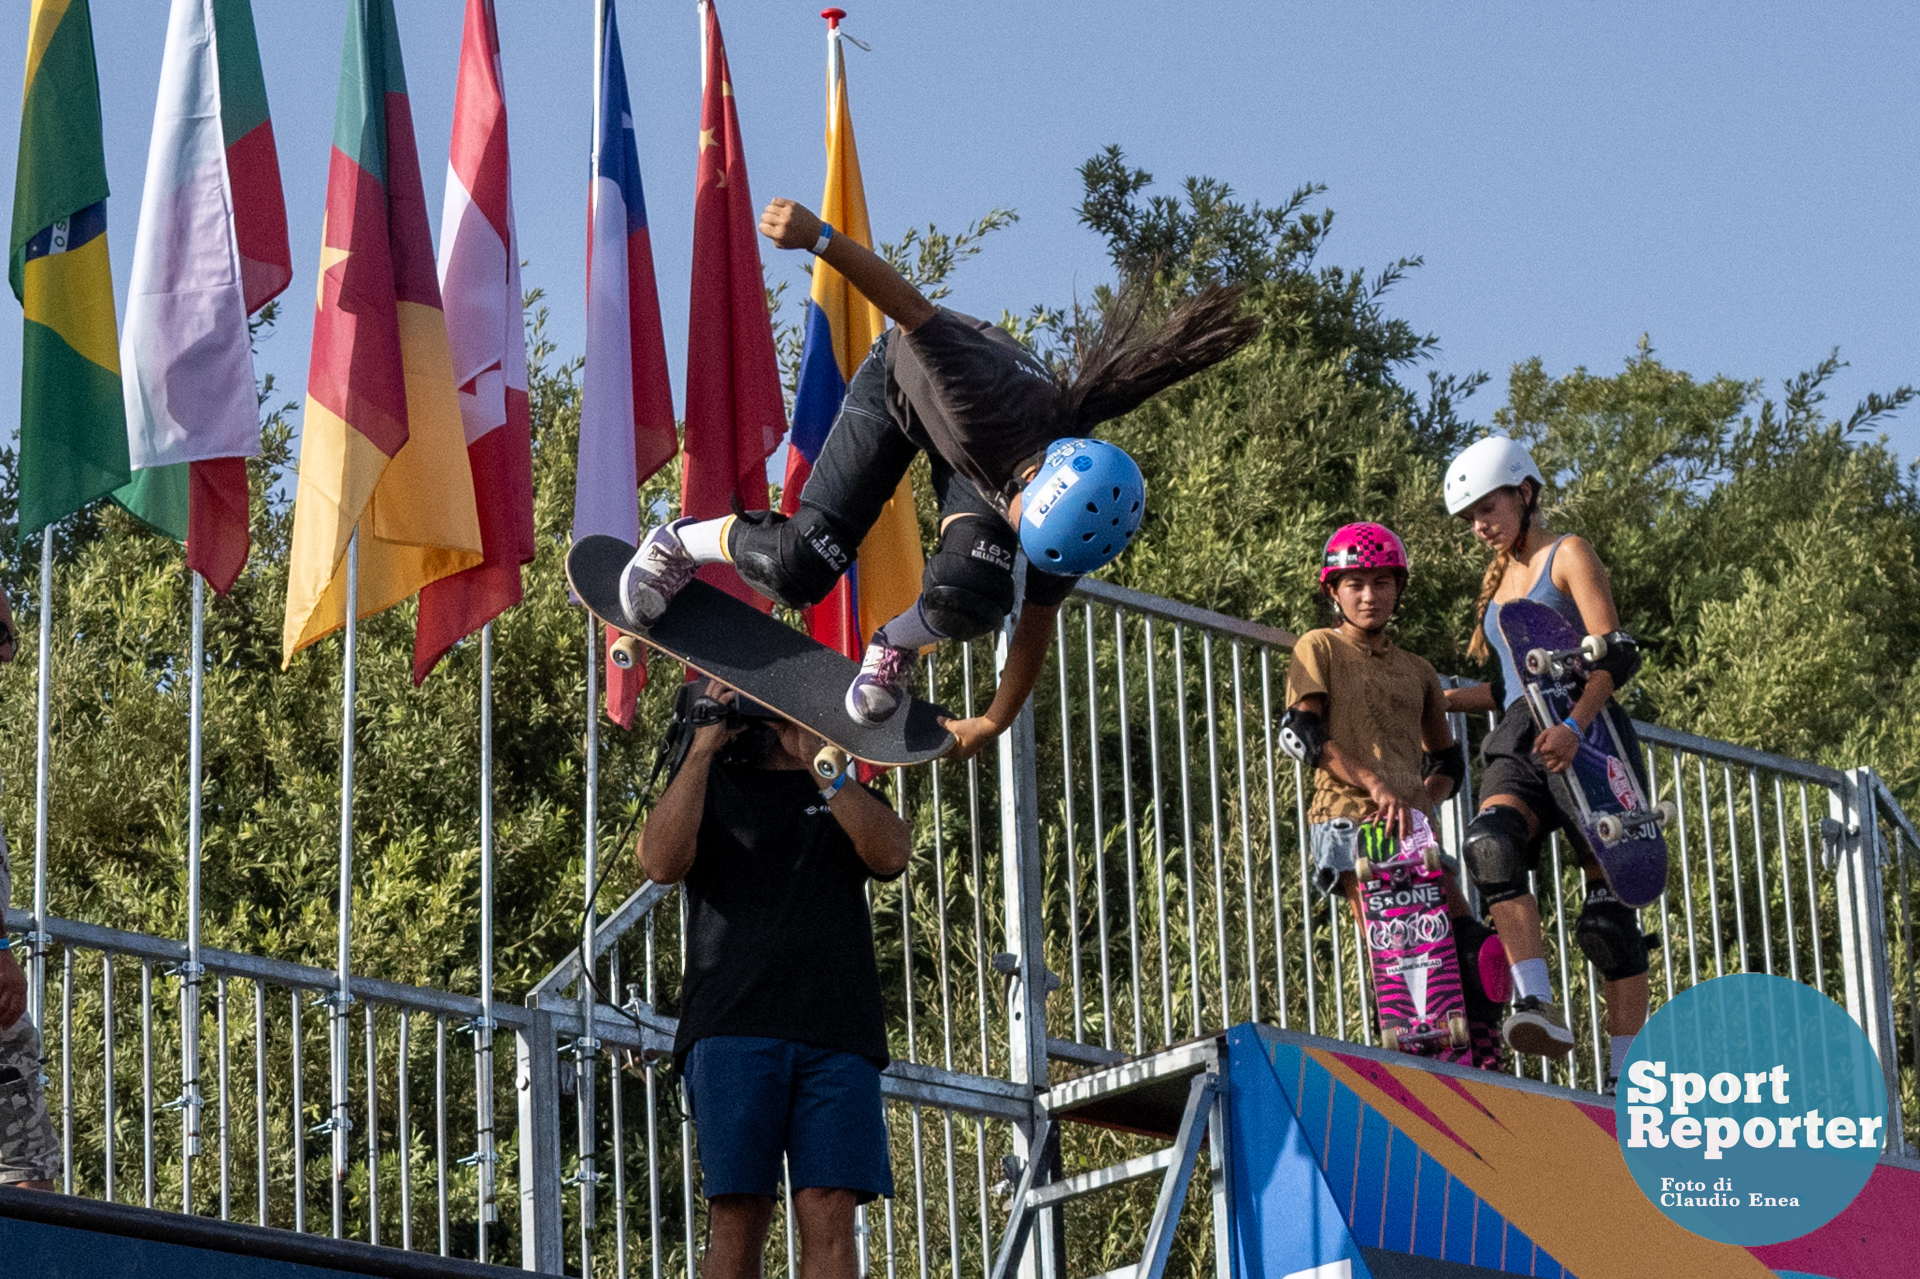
1511,768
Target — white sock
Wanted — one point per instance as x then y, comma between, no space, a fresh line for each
1617,1054
705,541
1530,979
910,631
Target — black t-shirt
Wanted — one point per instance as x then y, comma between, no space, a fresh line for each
779,942
970,394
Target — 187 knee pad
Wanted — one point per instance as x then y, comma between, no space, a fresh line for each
792,561
1499,854
967,589
1608,931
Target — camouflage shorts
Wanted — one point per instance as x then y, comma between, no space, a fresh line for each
28,1149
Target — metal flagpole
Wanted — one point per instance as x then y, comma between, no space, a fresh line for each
483,1032
340,1123
43,762
587,1046
189,1100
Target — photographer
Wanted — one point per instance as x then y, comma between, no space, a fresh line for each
29,1152
782,1035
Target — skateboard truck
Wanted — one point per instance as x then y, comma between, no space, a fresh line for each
1366,870
1612,828
1456,1033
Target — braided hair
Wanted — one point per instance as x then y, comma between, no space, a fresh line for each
1477,647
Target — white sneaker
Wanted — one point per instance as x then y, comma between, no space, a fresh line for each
656,573
883,685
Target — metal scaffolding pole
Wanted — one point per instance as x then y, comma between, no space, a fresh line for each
483,1030
340,1124
587,1048
37,978
190,972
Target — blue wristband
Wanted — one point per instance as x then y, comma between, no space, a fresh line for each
829,792
6,943
1573,724
826,238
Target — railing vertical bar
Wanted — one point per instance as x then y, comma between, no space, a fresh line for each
260,1101
1066,797
1306,897
1813,896
1132,831
66,1069
226,1108
1686,872
403,1127
1560,932
688,1209
615,1093
1760,873
1337,940
299,1125
1186,822
1906,943
1247,876
1666,938
1273,835
373,1128
1786,878
653,1126
111,1124
146,1080
1713,890
1219,853
1159,840
1733,865
1095,784
440,1176
943,955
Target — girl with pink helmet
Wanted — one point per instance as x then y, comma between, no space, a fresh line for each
1371,721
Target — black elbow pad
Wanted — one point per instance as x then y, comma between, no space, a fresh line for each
1450,763
1303,735
1621,660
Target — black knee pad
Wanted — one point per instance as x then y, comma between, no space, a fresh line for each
1499,854
1608,932
967,589
792,561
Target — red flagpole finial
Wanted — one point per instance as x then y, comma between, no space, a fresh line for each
833,17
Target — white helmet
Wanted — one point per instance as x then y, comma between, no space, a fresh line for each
1493,463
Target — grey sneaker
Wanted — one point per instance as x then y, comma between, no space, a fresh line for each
1537,1028
656,573
882,686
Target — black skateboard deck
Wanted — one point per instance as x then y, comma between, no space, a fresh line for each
1601,794
758,655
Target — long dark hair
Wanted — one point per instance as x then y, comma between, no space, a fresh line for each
1122,361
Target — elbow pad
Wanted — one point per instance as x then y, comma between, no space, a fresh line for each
1303,735
1621,659
1450,763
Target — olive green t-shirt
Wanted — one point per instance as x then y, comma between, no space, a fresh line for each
1375,705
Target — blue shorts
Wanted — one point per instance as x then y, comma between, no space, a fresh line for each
755,1099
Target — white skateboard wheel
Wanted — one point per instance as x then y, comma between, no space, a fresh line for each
1431,859
1363,869
1593,647
1539,661
1609,828
1665,813
829,762
626,652
1390,1039
1457,1033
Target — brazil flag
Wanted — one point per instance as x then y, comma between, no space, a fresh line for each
73,431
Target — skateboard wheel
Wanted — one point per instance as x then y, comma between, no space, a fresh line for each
1390,1039
829,762
626,653
1457,1032
1609,828
1665,813
1431,858
1539,661
1593,647
1363,869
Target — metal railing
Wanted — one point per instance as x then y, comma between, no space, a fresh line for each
1129,870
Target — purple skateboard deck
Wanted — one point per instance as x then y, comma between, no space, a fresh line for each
1416,974
1601,794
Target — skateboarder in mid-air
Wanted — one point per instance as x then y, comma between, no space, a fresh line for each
1495,486
1012,470
1369,718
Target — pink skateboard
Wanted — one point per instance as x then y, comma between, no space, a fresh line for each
1416,974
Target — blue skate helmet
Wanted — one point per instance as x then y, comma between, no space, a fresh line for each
1082,508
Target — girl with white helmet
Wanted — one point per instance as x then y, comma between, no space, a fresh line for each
1495,486
1012,471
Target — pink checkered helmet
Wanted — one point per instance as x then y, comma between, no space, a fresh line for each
1362,546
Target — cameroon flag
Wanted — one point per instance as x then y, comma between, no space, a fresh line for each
382,446
73,426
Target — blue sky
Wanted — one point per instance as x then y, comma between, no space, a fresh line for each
1737,180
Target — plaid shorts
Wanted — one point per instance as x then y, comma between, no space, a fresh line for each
29,1151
